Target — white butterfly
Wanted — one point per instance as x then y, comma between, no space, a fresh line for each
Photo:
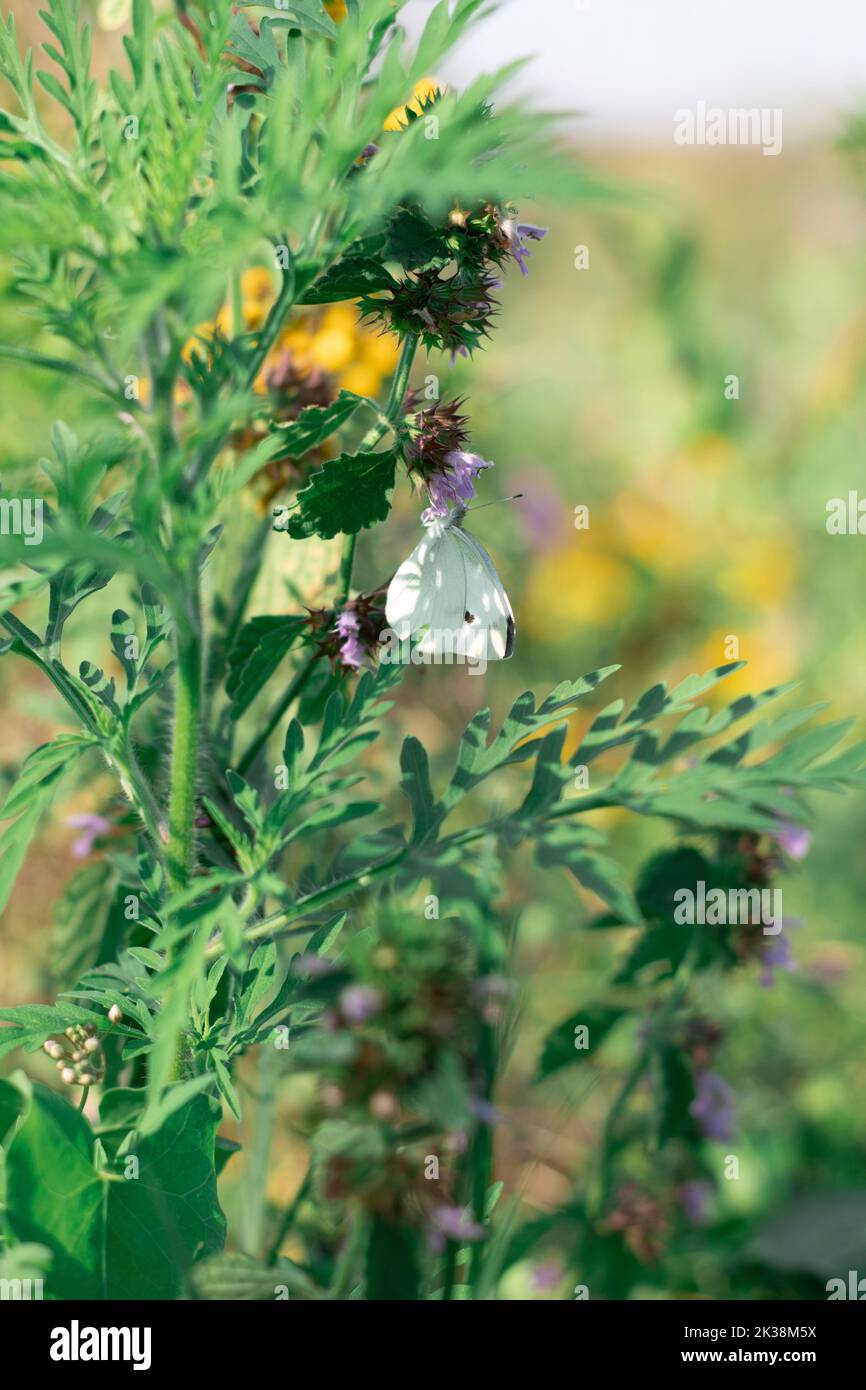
449,594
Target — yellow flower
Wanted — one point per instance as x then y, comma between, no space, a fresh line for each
760,575
256,284
381,351
337,9
194,346
398,119
576,584
361,378
333,349
342,316
770,651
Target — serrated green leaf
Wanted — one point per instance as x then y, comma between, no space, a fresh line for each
346,494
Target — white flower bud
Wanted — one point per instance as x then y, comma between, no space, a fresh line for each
68,1076
92,1045
114,1013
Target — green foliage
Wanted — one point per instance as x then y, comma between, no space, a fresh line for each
214,139
113,1236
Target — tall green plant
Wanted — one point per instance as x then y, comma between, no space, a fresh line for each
220,143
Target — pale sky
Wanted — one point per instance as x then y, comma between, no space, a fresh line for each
630,64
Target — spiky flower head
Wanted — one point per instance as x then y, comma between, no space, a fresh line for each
432,433
451,312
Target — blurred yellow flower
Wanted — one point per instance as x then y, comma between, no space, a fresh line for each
574,584
771,652
332,340
381,351
333,349
761,576
398,119
337,9
256,284
361,378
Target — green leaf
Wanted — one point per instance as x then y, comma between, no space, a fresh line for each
316,424
393,1262
346,494
559,1046
306,15
88,922
821,1233
573,847
415,785
33,1023
114,1237
414,242
43,767
350,278
257,652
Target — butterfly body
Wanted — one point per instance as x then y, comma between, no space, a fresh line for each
448,598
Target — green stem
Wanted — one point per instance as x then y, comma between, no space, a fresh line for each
288,1220
347,560
350,1257
256,1173
314,902
184,757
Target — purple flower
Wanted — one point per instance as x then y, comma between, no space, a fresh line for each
312,965
777,955
456,1223
517,235
546,1276
484,1111
360,1003
454,486
91,826
695,1199
795,840
713,1107
351,646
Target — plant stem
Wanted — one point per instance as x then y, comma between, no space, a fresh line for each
184,758
180,854
256,1173
350,1256
288,1220
346,562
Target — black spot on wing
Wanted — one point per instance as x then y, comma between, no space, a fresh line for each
510,638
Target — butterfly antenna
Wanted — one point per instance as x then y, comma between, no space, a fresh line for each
515,497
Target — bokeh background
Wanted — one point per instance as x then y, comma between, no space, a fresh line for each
605,388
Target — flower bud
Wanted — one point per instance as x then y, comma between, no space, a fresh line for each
115,1014
68,1076
91,1045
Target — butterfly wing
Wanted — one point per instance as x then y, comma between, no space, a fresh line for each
449,594
428,591
488,621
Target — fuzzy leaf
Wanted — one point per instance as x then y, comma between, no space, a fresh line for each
316,424
347,494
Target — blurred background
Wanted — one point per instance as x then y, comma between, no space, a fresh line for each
608,387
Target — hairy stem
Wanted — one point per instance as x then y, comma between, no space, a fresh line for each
184,759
